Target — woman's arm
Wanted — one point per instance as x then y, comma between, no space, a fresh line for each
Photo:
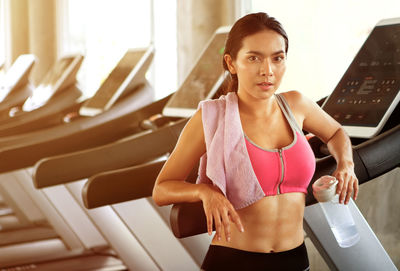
171,187
319,123
339,146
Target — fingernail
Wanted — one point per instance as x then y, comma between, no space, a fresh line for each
229,239
219,238
242,230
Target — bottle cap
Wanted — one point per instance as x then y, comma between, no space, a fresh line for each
324,189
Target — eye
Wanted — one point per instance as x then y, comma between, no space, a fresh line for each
253,58
279,58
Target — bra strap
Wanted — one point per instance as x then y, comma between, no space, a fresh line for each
288,113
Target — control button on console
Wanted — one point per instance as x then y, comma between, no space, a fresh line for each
360,116
336,116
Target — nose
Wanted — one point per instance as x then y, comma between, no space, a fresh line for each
266,69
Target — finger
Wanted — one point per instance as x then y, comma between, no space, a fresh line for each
355,189
227,225
349,191
236,219
209,223
218,224
343,190
339,186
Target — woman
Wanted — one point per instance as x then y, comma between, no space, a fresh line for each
255,162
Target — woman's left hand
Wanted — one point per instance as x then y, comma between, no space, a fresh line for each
347,183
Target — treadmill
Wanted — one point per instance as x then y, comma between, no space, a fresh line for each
133,64
152,228
26,121
55,83
136,98
57,199
25,214
156,131
56,93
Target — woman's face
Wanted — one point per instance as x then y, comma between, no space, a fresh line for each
259,64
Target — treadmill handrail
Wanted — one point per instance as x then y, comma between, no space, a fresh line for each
378,161
133,150
99,191
25,150
125,184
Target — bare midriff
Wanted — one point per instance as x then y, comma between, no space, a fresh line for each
272,224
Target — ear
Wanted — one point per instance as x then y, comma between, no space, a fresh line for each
229,62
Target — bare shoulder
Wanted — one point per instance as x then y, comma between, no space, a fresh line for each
298,102
314,119
194,127
295,98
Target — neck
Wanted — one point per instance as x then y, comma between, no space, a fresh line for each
257,107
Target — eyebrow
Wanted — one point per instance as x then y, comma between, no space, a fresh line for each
261,54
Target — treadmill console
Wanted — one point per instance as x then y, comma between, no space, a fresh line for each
60,76
203,81
17,75
129,73
369,90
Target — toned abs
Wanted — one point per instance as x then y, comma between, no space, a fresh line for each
274,223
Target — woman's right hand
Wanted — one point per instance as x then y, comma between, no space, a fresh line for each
217,208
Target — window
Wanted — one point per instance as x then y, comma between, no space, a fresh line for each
102,31
324,37
2,39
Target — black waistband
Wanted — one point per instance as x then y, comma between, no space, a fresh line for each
227,258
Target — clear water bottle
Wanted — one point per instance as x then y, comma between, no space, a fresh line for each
338,215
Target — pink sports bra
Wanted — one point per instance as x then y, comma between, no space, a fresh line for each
244,172
284,170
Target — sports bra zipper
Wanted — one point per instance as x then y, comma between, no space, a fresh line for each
282,171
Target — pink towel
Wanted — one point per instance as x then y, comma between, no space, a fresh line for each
226,163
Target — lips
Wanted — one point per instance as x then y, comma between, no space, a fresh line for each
265,85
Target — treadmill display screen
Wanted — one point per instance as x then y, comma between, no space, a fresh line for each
47,87
18,70
17,75
202,78
118,75
372,81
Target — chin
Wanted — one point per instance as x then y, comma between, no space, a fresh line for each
266,94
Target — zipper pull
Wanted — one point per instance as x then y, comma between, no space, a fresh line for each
282,171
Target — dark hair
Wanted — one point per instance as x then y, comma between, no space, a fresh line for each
246,26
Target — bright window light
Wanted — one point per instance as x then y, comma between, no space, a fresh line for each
103,30
2,40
